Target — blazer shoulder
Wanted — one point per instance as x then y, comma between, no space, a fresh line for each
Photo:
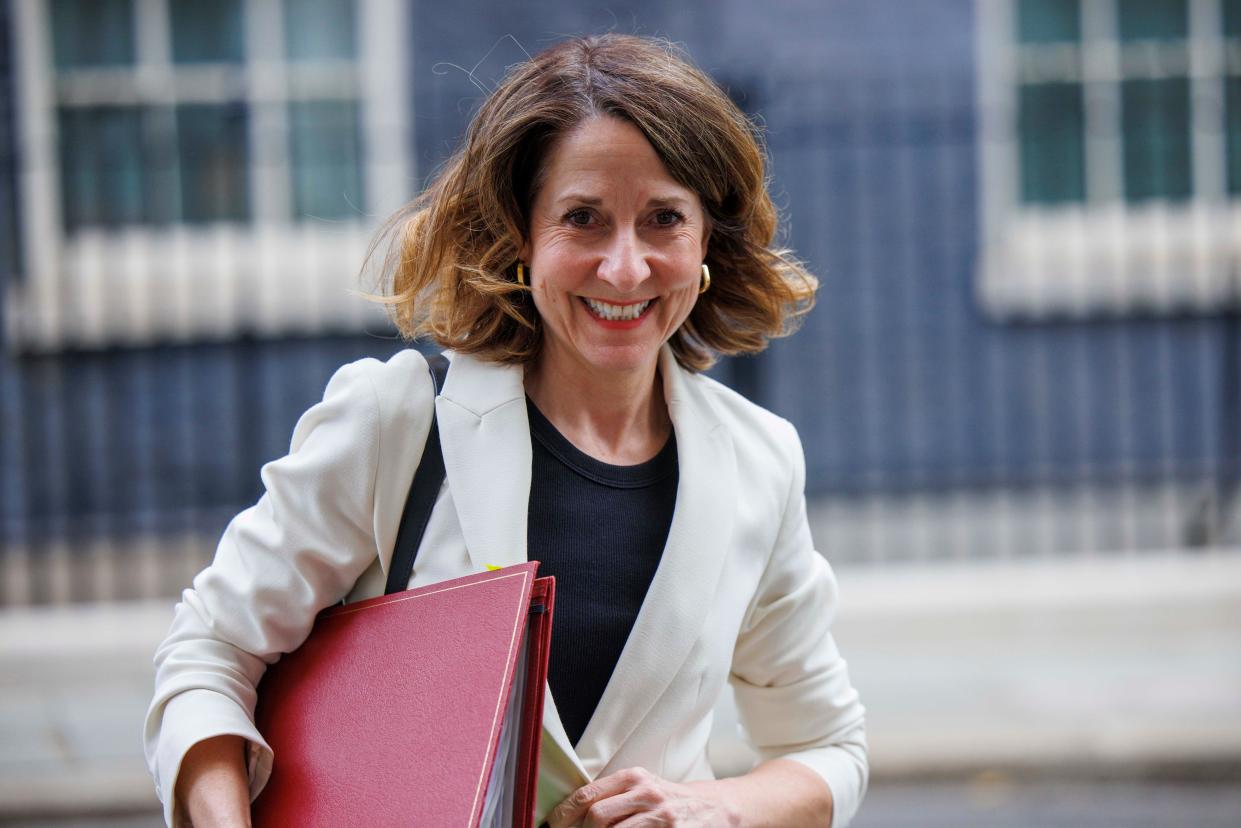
401,384
402,368
387,404
748,422
401,400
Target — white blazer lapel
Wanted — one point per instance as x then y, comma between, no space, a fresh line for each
684,586
485,436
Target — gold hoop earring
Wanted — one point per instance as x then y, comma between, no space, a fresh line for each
706,279
521,274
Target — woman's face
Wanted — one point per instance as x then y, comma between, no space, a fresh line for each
615,250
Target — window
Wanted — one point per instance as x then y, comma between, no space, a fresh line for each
196,169
1110,146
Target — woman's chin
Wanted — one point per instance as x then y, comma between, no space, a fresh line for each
627,361
619,360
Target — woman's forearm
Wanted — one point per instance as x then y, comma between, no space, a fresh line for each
781,793
212,788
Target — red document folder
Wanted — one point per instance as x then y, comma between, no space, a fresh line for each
420,708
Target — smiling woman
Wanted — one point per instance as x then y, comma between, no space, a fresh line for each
453,265
614,267
603,235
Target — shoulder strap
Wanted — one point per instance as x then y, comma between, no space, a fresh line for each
422,493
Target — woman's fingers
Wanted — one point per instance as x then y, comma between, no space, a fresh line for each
637,798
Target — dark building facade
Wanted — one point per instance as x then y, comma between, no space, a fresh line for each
908,377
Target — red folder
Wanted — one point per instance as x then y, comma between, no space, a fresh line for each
420,708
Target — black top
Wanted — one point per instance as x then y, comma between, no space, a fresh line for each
600,530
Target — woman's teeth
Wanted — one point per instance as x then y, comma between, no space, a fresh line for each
616,313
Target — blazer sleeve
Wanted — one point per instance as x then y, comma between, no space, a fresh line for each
299,549
792,686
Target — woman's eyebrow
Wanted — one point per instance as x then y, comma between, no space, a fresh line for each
581,198
669,201
595,201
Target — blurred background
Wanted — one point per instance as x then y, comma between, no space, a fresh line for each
1019,394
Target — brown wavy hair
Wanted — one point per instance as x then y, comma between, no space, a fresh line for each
452,252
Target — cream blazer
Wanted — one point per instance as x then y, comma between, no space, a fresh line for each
739,596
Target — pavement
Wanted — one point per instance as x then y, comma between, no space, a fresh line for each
978,803
1123,668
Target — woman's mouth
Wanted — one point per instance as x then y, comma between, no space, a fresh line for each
609,312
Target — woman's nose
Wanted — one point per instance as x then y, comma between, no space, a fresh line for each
624,264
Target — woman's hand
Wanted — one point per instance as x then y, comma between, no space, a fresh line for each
212,788
637,798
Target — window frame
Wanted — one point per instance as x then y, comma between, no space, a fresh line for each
271,274
1105,256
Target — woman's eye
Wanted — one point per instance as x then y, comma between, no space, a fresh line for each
667,218
580,218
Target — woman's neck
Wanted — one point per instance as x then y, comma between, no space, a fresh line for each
617,418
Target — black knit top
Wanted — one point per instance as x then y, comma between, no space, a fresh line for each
600,530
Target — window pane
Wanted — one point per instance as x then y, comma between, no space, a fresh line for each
1232,18
206,32
160,165
92,32
101,174
1048,21
327,159
1050,125
320,29
213,157
1156,138
1233,93
1153,19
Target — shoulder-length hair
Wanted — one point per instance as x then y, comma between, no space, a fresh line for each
451,263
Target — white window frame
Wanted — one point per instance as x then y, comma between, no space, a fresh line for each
271,275
1104,257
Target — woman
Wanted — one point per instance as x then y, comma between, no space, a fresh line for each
604,230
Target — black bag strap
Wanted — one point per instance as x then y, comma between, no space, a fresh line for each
422,493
